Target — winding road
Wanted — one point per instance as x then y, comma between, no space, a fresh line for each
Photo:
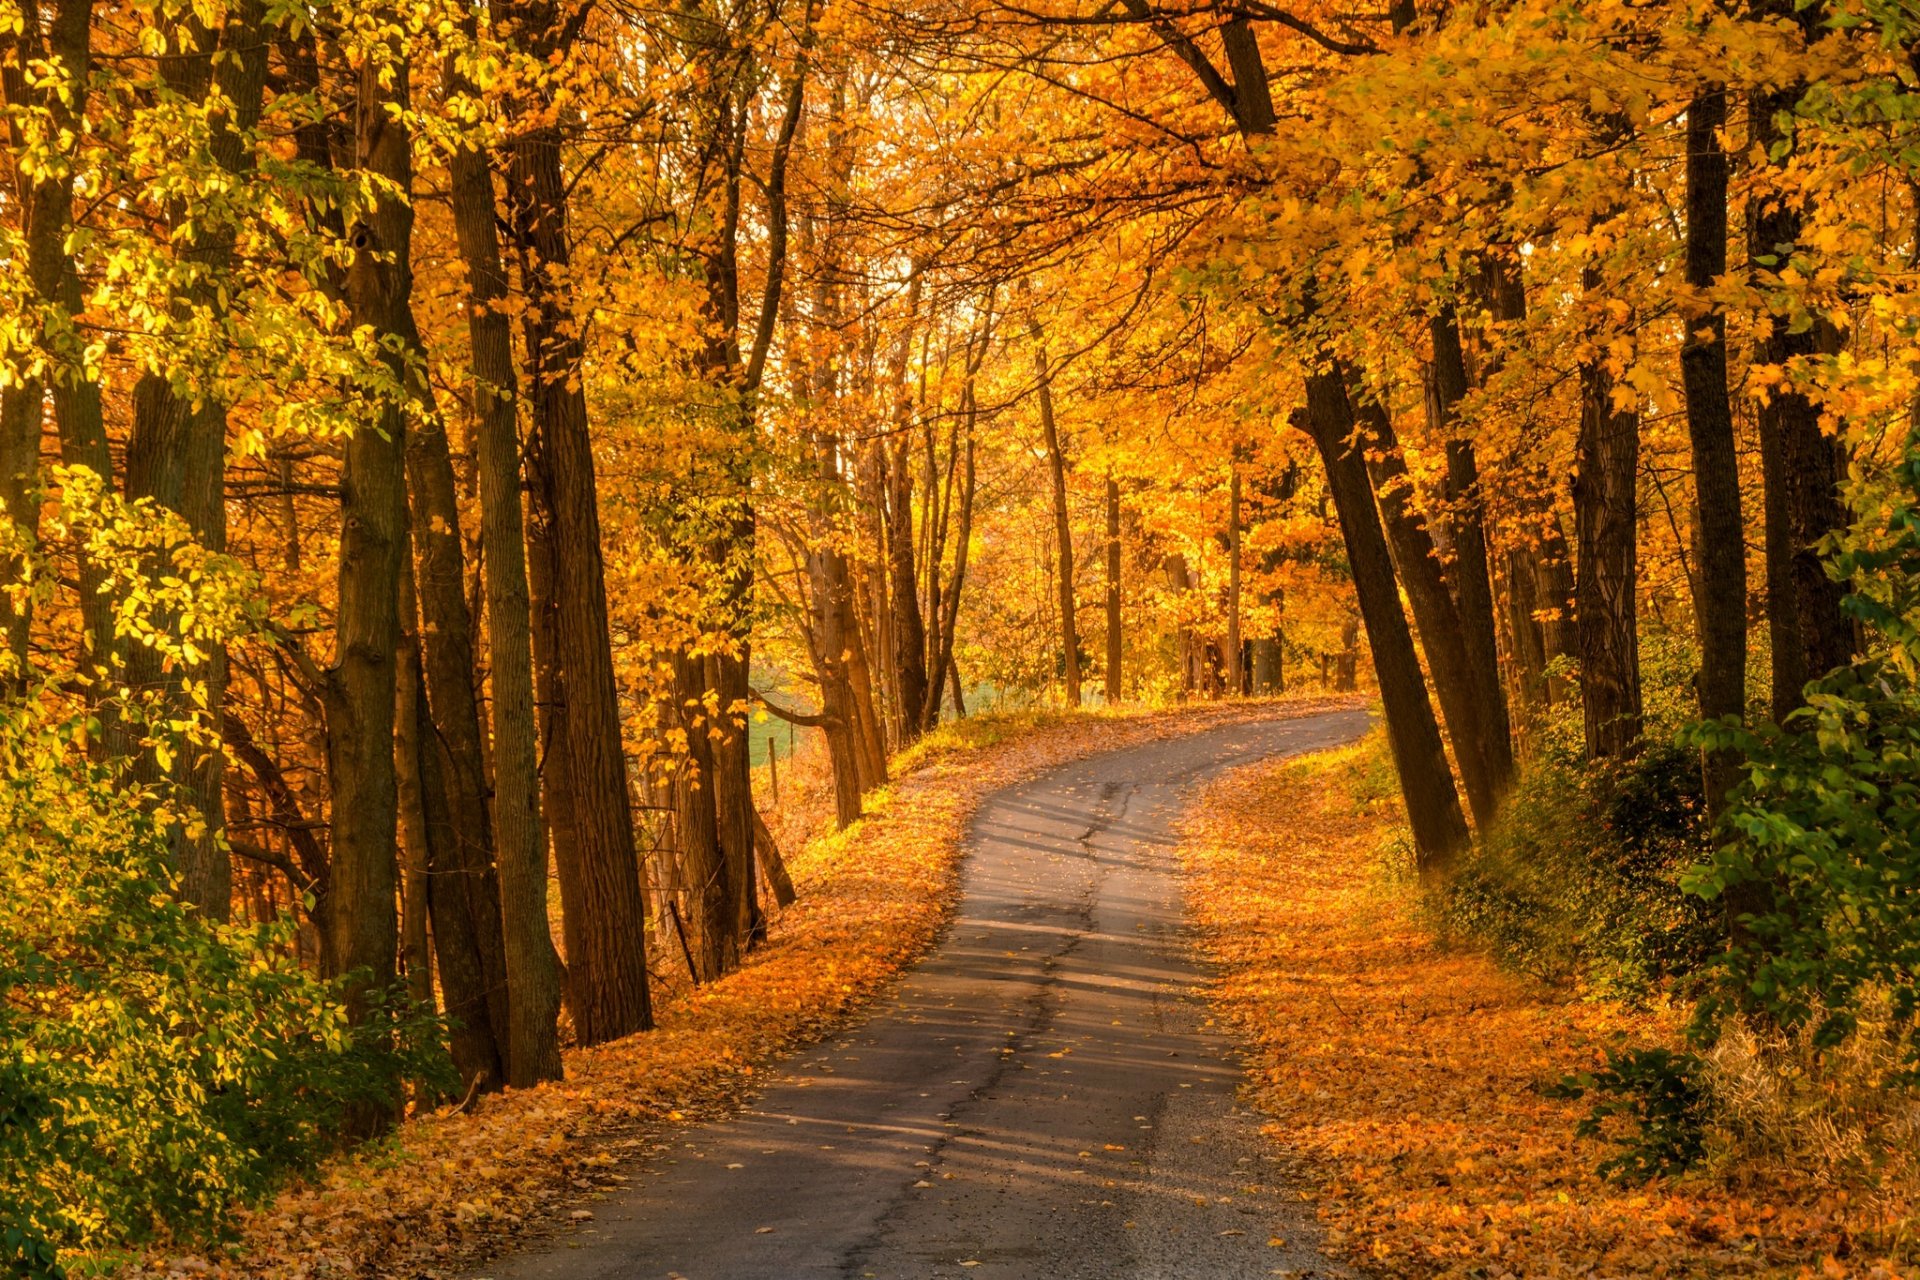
1040,1099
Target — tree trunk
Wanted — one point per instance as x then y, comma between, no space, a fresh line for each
44,200
410,727
603,909
1433,806
1720,581
532,1048
708,871
1606,570
1802,468
1236,682
910,665
1471,575
1062,521
1115,634
176,452
464,894
947,614
360,690
1180,582
1441,632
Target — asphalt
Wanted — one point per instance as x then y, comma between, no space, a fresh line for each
1040,1099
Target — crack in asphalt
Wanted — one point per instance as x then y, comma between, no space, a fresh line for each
1042,1008
1046,1073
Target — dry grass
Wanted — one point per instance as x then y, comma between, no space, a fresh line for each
1407,1077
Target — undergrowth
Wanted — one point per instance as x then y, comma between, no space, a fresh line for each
1423,1082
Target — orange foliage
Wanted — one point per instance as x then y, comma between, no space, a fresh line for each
1408,1076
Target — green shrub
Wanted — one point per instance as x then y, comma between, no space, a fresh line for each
1580,879
155,1069
1663,1099
1822,868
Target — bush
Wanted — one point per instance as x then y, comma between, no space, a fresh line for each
1580,880
1663,1097
155,1069
1822,868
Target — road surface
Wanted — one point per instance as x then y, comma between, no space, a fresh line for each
1038,1100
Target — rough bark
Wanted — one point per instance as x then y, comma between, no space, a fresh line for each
1606,567
464,893
1720,550
1441,632
603,909
532,1047
1433,805
360,687
1470,573
1801,466
44,201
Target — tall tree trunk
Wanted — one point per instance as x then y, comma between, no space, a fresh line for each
603,908
464,892
1236,682
945,609
1802,468
1115,634
1470,574
1180,582
532,1048
360,689
910,658
1433,806
709,873
1441,632
176,454
1720,583
1606,568
44,199
1062,521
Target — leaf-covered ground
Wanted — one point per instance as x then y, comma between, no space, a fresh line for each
1406,1077
449,1189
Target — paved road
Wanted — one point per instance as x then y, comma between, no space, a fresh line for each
1038,1100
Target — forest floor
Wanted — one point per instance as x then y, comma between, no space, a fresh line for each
1407,1078
450,1188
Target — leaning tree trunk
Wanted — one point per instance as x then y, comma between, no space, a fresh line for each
434,890
1433,806
464,891
1444,638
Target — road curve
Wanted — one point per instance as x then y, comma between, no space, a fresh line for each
1038,1100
